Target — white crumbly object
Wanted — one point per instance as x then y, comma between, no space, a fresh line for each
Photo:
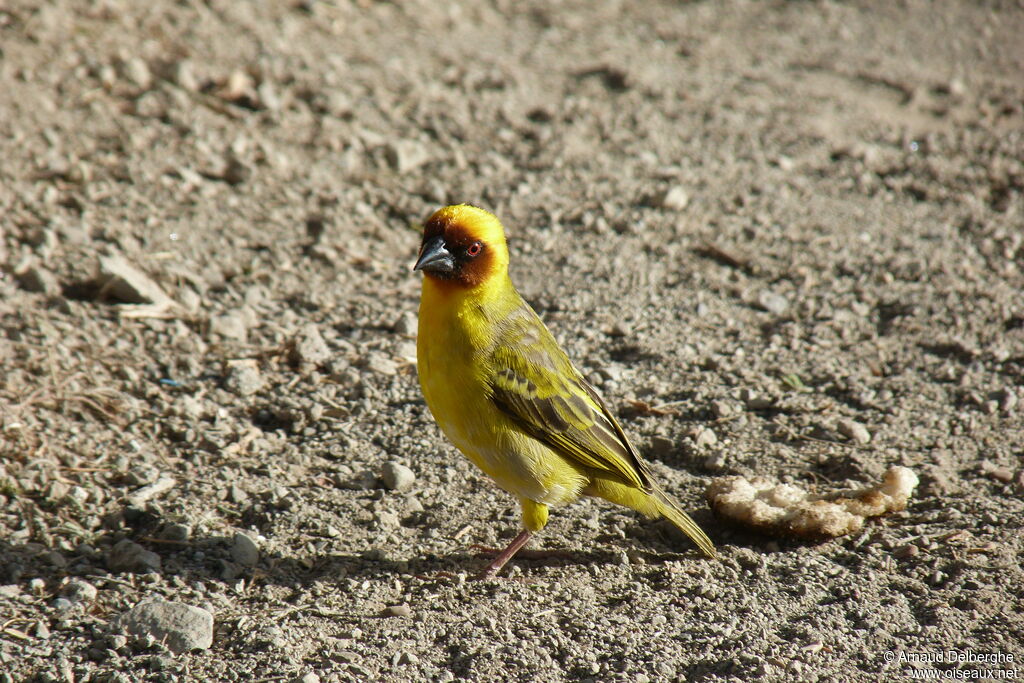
786,510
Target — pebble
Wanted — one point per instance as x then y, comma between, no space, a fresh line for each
308,677
142,475
244,550
907,552
612,372
185,76
179,626
723,408
309,347
268,96
715,462
772,302
406,324
381,364
138,74
78,590
854,430
56,559
397,477
662,446
157,488
124,282
230,326
62,604
37,279
237,495
754,401
175,532
243,379
387,520
406,155
1007,400
403,657
397,611
10,591
128,556
997,472
676,199
705,437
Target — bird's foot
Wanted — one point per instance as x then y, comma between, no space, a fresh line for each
514,548
526,553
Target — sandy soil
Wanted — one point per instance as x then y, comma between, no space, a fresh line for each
784,238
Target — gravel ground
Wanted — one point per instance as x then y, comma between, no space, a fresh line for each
784,238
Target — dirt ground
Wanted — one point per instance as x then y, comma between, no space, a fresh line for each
783,238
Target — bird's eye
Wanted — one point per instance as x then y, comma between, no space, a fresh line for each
474,249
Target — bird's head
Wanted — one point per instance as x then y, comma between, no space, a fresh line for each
464,246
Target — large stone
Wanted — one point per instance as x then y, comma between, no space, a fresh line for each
179,626
128,556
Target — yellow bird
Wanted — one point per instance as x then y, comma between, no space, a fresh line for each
506,394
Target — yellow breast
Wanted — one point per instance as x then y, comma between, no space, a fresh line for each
454,336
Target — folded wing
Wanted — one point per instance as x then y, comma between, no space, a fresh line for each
534,383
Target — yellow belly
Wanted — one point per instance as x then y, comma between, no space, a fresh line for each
453,375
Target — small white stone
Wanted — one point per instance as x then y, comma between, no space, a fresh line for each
397,477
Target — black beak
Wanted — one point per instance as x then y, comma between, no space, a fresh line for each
435,257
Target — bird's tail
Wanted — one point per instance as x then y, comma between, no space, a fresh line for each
669,508
652,504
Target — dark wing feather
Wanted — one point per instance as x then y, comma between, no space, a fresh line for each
534,383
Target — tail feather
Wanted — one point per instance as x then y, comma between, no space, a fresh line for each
657,503
670,509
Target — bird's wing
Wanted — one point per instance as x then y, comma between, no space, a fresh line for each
535,383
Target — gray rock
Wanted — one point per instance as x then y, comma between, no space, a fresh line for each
723,408
308,677
175,532
244,550
995,471
406,324
125,282
230,326
676,199
237,495
397,477
381,364
62,605
310,347
78,590
142,475
705,437
137,72
854,430
37,279
243,380
662,446
128,556
406,155
397,611
179,626
159,487
772,302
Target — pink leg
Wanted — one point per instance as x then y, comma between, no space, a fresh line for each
491,570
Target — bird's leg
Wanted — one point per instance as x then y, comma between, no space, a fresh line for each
491,570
